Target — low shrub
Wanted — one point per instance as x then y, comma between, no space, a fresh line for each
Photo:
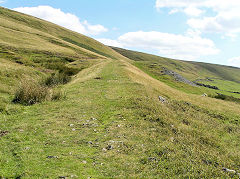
57,79
30,92
226,97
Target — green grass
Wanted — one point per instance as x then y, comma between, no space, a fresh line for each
229,77
226,86
109,122
150,139
190,70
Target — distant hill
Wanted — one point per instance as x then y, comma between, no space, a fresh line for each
210,74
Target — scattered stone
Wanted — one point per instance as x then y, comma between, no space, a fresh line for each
109,147
177,76
62,177
52,157
204,95
207,86
104,150
27,148
95,125
172,139
231,171
71,125
119,125
152,159
186,122
90,142
73,129
162,99
228,170
3,133
188,103
84,162
93,118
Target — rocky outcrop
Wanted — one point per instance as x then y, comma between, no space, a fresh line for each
177,76
207,86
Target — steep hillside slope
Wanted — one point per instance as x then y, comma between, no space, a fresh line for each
20,30
110,123
225,78
43,47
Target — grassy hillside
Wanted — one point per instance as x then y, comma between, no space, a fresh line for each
110,122
226,78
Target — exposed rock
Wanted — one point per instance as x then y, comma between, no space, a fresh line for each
52,156
230,171
162,99
236,92
204,95
3,133
177,77
152,159
62,177
109,147
104,149
207,86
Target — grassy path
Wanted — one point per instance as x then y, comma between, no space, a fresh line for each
111,124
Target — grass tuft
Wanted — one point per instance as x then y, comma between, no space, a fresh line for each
30,92
57,79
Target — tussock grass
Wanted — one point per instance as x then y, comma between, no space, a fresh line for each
31,92
56,79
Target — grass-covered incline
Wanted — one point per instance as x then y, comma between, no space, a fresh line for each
110,122
209,74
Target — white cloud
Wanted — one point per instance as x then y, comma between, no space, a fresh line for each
234,61
224,20
110,42
170,45
193,11
186,47
227,23
190,11
174,11
61,18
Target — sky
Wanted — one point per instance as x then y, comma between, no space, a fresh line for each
194,30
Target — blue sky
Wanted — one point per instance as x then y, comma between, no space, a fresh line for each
197,30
